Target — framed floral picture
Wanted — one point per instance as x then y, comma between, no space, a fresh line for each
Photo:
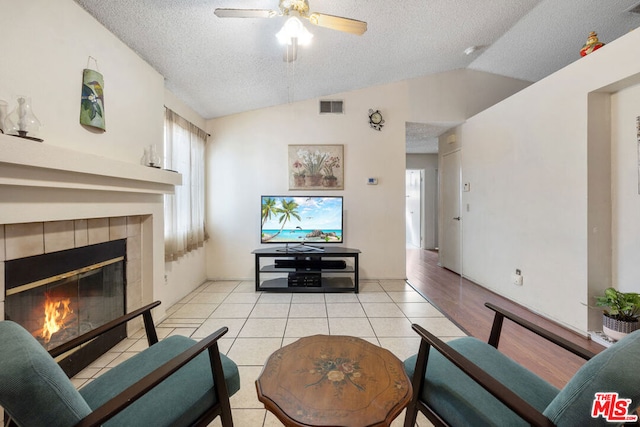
316,167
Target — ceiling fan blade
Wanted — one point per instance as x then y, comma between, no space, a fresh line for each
339,23
245,13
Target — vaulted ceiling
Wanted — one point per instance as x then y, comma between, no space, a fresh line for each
225,66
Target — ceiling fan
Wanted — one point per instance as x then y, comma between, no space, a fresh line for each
301,7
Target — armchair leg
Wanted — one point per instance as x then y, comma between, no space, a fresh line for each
410,415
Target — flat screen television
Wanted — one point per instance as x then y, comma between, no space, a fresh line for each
307,221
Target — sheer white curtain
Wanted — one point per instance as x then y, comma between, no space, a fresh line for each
184,149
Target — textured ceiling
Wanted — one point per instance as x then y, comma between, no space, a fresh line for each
225,66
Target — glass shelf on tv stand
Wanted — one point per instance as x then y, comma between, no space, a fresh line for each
311,271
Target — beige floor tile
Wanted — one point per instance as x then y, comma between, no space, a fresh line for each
268,328
308,298
409,296
306,327
382,309
232,311
348,309
401,347
194,310
242,297
185,332
439,326
210,297
224,344
272,421
395,286
211,325
341,297
246,397
392,327
354,326
105,359
245,287
308,310
121,358
374,297
274,298
370,286
419,309
271,310
139,345
221,286
253,351
248,417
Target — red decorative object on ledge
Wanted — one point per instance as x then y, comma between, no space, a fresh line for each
592,44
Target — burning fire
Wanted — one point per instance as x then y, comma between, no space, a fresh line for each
55,311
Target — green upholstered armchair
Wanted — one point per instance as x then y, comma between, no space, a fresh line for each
173,382
467,382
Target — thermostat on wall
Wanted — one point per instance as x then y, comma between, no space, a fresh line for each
372,181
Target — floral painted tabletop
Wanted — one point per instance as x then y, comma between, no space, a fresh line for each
326,380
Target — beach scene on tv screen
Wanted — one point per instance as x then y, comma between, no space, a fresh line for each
301,219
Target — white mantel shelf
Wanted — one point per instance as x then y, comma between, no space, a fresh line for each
36,164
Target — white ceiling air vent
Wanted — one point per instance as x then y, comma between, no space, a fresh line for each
635,9
331,107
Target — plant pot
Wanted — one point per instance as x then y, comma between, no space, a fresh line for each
313,180
617,329
330,181
299,180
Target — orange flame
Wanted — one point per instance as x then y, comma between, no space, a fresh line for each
55,311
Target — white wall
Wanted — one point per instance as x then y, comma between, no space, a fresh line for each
526,160
625,106
247,157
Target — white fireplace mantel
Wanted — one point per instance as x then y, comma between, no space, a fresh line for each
34,164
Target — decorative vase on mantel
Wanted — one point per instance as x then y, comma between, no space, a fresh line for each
3,114
617,329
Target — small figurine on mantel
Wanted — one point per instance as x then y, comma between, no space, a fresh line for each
592,44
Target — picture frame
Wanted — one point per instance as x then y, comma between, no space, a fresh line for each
316,167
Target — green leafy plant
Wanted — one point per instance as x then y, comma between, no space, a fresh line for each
623,306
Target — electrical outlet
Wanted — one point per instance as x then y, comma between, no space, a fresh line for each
517,278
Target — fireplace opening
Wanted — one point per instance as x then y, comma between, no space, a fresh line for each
61,295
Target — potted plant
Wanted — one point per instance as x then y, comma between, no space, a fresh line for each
621,314
330,180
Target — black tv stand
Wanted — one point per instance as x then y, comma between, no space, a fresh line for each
334,269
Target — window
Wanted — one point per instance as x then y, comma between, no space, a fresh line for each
184,149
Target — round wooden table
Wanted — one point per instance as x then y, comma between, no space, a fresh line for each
330,380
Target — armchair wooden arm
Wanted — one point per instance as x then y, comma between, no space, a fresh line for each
501,314
497,389
468,381
140,388
149,327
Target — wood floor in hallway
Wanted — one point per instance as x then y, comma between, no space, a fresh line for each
463,302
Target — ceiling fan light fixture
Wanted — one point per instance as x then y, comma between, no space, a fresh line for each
293,29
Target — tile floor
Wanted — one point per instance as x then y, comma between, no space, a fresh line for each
260,322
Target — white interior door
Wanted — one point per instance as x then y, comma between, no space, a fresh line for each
413,212
451,193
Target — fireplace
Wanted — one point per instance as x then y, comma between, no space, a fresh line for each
60,295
